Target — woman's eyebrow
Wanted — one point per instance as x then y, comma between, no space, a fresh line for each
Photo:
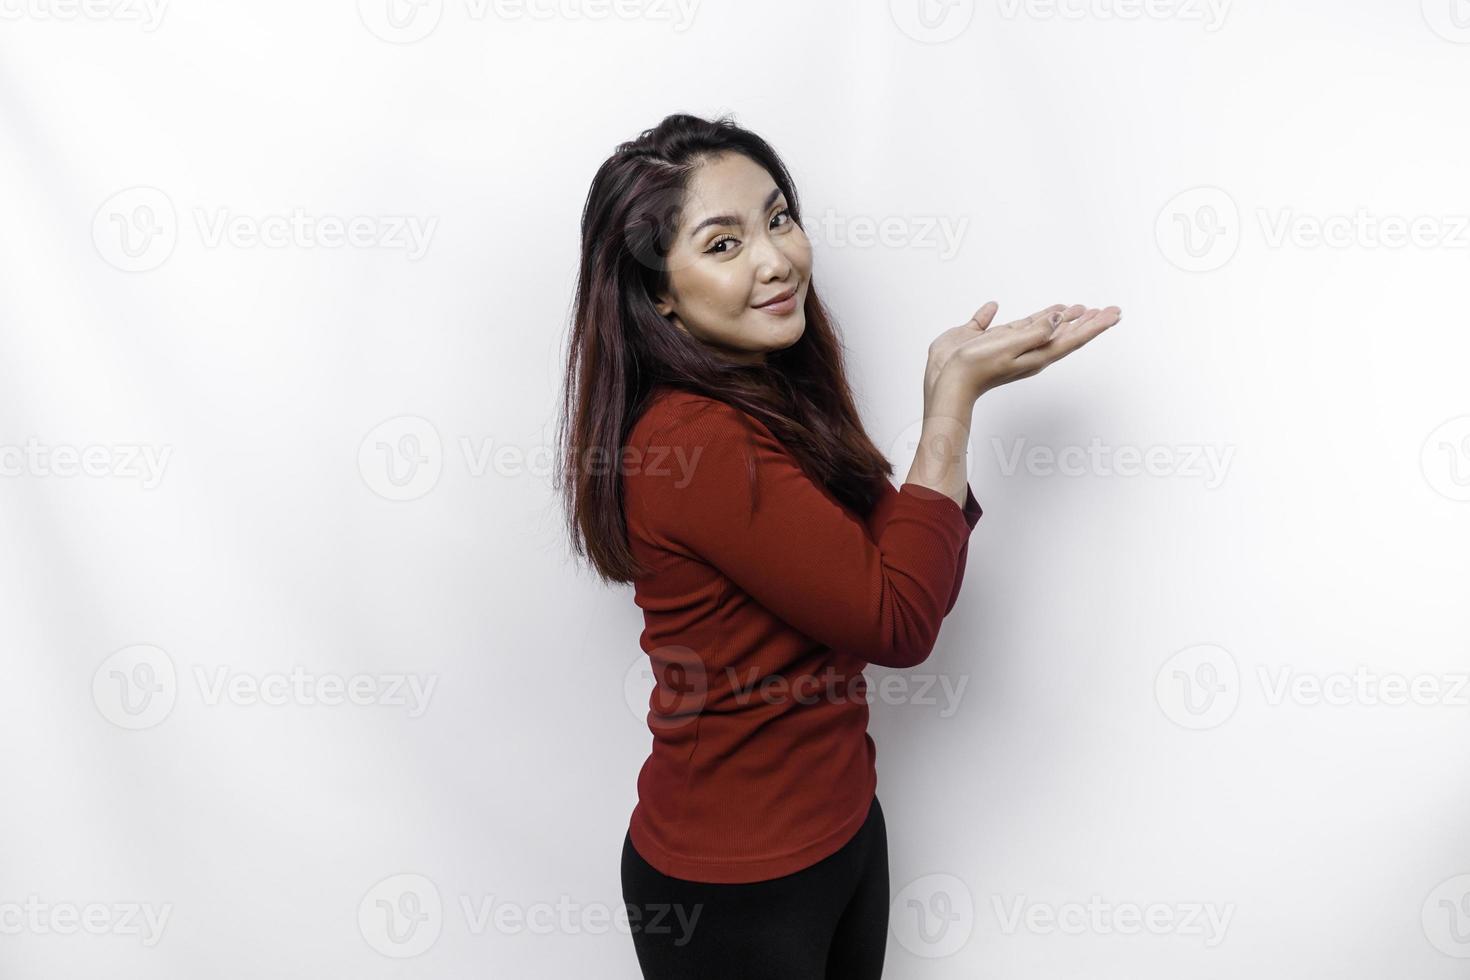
730,219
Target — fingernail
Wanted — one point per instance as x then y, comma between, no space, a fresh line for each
1056,318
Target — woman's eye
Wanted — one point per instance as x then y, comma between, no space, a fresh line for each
715,249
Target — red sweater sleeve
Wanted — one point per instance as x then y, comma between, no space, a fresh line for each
793,547
878,517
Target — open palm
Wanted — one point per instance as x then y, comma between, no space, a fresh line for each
981,356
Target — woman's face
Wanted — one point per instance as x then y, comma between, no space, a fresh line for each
737,248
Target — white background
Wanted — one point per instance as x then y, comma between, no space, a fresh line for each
1119,738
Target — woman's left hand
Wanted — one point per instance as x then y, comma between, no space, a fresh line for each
943,346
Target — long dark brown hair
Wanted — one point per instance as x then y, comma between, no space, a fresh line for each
621,348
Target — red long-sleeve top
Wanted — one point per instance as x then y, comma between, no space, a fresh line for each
760,612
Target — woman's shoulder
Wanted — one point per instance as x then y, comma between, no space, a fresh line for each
669,411
680,402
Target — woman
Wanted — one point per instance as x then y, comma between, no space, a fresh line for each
717,462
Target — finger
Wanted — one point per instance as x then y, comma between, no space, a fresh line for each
1086,320
1084,329
983,316
1037,332
1080,321
1026,321
1062,322
1091,323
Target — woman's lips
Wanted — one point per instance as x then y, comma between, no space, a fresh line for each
782,308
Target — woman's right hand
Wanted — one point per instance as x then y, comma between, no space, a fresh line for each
971,359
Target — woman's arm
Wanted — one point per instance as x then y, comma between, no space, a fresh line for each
744,505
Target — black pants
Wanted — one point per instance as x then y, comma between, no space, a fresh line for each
828,921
